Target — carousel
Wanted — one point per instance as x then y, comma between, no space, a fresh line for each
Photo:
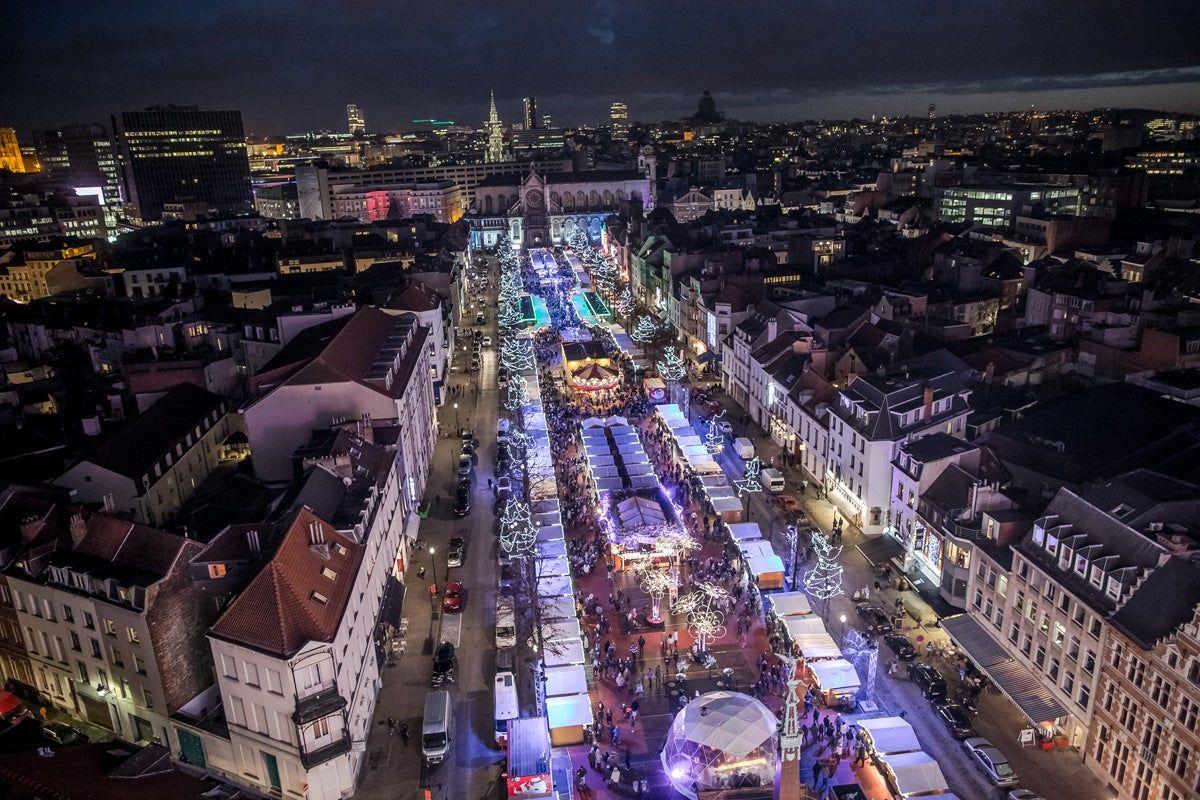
589,372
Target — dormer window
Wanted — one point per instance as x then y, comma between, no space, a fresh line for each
1113,589
1097,578
320,598
1039,535
1081,565
1121,511
1064,557
330,574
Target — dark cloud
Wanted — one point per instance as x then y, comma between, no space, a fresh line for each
294,65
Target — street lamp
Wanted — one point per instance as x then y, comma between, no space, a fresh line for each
457,427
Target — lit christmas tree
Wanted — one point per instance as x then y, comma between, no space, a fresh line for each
517,532
671,366
750,482
824,581
518,393
626,303
516,354
509,316
645,330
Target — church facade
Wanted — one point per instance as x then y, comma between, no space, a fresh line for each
541,210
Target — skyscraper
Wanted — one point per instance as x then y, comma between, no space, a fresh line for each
495,135
83,156
619,115
354,120
172,153
531,117
932,112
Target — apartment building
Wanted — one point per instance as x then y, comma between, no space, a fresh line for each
1085,601
113,624
370,363
150,467
32,272
874,416
441,200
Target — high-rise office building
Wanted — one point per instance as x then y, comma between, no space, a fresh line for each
619,114
932,112
531,118
10,151
82,158
547,121
170,153
354,120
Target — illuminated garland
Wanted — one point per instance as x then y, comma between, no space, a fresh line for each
517,532
644,330
714,439
671,367
750,482
824,581
516,354
625,303
518,393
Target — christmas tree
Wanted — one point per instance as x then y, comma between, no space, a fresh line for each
517,532
625,302
824,581
518,393
714,439
516,354
645,329
671,367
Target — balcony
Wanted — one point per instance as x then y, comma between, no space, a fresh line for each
321,704
311,758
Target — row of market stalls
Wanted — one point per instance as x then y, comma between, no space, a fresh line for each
564,690
763,565
691,451
910,771
544,264
830,673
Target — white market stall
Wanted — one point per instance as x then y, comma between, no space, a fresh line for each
817,645
552,566
560,629
552,548
567,680
568,652
743,531
913,774
567,716
890,735
787,604
763,564
837,680
803,624
555,586
551,609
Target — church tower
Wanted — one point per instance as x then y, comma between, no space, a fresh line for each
495,131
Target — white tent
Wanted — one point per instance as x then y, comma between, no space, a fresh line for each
801,624
555,586
745,530
915,773
890,735
635,512
552,548
568,711
550,533
729,722
835,675
670,411
553,566
555,608
786,604
561,629
565,681
726,505
817,645
565,652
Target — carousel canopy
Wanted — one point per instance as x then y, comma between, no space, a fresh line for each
890,735
595,376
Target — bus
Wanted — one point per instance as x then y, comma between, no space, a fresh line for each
506,705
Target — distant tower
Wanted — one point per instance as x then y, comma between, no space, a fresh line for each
354,120
495,135
619,114
932,112
531,117
547,121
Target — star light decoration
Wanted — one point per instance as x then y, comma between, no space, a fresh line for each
714,439
517,532
644,330
824,581
750,482
671,367
626,302
516,354
518,393
705,619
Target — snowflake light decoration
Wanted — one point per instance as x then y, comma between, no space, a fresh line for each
824,581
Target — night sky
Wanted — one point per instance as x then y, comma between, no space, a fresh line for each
292,66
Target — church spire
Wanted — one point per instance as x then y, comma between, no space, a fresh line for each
495,134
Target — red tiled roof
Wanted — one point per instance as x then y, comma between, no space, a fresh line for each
277,612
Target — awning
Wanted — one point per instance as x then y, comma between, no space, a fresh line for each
916,773
890,735
881,549
1016,681
706,356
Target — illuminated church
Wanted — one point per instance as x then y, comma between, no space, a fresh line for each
540,210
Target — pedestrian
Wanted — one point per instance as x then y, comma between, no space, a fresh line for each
860,756
391,723
628,758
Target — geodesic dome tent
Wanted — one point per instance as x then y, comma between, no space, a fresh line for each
721,740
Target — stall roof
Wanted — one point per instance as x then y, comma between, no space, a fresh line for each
555,586
916,773
569,710
550,533
1013,679
670,410
553,566
566,680
562,652
890,734
722,504
556,608
744,530
801,624
528,747
820,645
560,629
552,548
786,604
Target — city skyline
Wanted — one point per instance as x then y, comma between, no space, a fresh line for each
821,64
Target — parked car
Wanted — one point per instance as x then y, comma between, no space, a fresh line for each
1022,794
475,364
927,680
464,465
478,334
487,341
479,318
454,598
457,552
874,618
724,427
900,645
504,487
462,501
958,722
468,447
444,662
991,761
63,734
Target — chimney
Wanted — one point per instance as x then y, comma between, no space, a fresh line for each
316,533
928,402
78,528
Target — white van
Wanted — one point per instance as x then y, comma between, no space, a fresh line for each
506,623
772,480
743,447
435,727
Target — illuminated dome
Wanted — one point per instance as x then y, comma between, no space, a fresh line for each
721,740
